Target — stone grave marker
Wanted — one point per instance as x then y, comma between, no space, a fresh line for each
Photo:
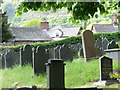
99,51
112,45
98,43
26,55
105,69
66,53
11,59
1,62
75,49
57,52
88,45
55,74
81,52
51,53
104,44
40,57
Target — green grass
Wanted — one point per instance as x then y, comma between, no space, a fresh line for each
21,76
77,74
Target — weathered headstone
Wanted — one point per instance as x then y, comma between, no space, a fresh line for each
105,69
52,53
1,62
40,57
81,52
66,53
57,52
55,74
88,45
99,51
104,44
11,59
112,45
75,49
98,43
26,55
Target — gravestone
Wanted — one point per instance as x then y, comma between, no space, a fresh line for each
66,53
75,49
57,52
106,68
40,57
112,45
26,55
11,59
88,45
55,74
98,43
3,61
51,53
81,52
104,44
99,51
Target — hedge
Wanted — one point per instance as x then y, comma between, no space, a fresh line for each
70,40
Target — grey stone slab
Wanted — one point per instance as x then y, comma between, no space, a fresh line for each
57,52
99,51
105,43
88,45
105,82
40,57
113,53
26,55
98,43
11,59
66,53
51,53
75,49
81,52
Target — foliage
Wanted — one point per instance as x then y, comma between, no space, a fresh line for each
71,40
79,10
6,34
16,21
32,22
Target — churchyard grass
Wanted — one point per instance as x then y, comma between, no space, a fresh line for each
77,74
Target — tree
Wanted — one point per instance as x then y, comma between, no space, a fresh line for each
79,10
6,34
32,22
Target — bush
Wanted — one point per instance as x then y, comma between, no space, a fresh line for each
71,40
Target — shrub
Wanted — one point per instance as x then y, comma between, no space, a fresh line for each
70,40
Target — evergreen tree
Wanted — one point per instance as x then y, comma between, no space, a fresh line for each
6,33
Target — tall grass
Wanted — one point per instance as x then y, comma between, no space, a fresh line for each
77,73
21,76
